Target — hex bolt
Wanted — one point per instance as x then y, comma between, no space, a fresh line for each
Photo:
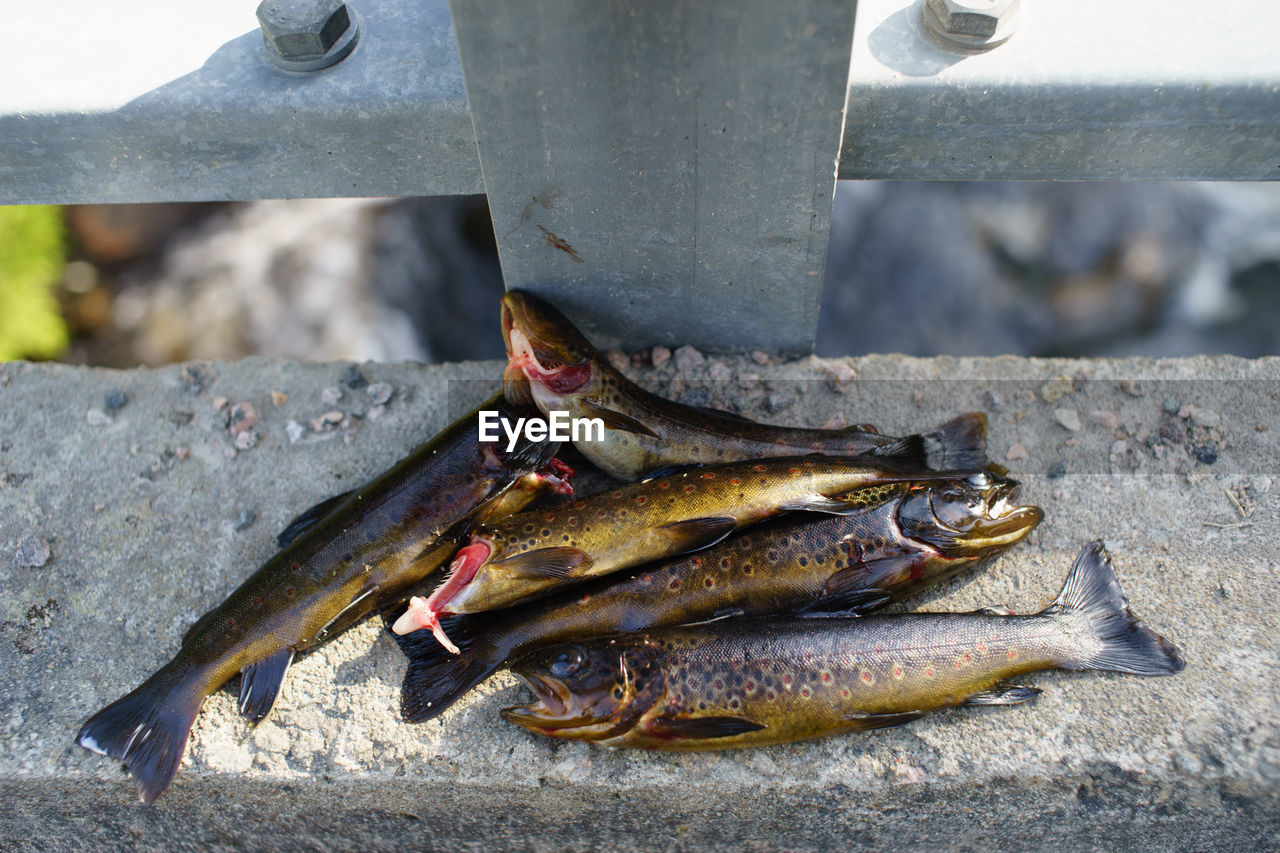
307,35
971,25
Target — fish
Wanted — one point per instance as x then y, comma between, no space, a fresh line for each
532,553
552,363
905,538
753,682
347,556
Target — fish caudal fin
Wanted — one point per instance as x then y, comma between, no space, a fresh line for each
148,729
959,444
437,678
1107,635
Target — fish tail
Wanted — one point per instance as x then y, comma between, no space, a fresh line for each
148,728
1107,635
436,677
959,444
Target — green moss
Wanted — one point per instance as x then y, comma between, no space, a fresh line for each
32,255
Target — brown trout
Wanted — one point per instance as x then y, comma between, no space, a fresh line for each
550,360
349,555
751,682
907,537
534,552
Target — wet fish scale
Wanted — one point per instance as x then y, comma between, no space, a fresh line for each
826,563
889,664
531,553
751,682
551,361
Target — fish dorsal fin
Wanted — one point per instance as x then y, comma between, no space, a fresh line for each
308,519
557,563
694,534
820,503
668,470
882,721
702,728
729,416
910,451
260,685
616,420
1003,694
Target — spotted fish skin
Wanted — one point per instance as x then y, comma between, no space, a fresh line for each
340,561
533,553
752,682
553,363
850,563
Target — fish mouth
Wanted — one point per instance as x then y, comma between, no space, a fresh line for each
969,519
552,710
1003,522
542,347
425,613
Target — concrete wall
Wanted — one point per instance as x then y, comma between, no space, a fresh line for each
151,514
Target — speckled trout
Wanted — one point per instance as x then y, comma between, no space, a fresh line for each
751,682
344,558
532,553
553,363
906,536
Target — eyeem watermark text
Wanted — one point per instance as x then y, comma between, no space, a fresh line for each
558,426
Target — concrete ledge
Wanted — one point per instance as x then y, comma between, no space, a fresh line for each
145,511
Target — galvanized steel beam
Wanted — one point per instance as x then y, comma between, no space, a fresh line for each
663,170
152,101
1082,90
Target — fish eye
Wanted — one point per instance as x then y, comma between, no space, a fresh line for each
566,662
980,480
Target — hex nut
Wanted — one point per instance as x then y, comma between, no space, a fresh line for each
972,25
307,35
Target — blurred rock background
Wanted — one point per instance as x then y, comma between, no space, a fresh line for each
1091,269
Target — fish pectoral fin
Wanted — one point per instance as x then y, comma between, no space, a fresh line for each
556,563
821,503
260,685
694,534
1003,694
702,728
883,721
616,420
852,601
308,519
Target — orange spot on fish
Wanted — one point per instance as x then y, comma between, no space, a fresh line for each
708,476
646,578
1013,653
639,499
805,692
675,584
760,468
866,677
786,680
697,561
735,481
981,646
928,673
844,691
663,485
826,677
897,672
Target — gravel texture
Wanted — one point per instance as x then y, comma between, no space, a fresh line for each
150,515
